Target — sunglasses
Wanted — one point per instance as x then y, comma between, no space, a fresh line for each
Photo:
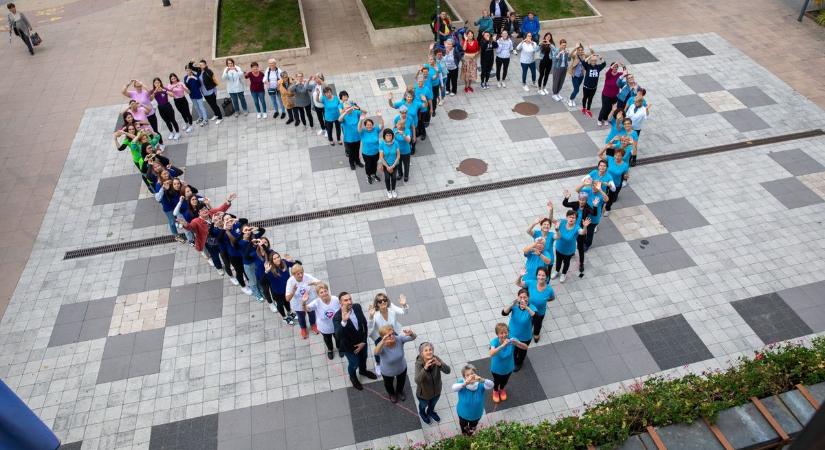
383,300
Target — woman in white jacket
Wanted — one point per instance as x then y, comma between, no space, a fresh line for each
234,77
381,313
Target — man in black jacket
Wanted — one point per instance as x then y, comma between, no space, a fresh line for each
351,331
499,10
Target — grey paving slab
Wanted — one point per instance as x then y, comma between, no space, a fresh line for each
177,153
572,351
792,193
144,364
161,263
806,301
234,424
327,157
148,341
180,313
691,105
672,342
302,410
744,120
771,318
66,333
146,274
423,148
613,368
113,369
695,436
270,417
426,301
94,329
640,362
522,388
693,49
638,55
199,433
336,432
454,256
598,345
72,312
357,273
587,123
148,213
782,414
212,289
625,339
374,416
524,129
545,358
661,254
119,345
752,96
607,233
100,309
269,440
546,104
628,198
797,162
206,175
677,214
576,146
117,189
611,56
585,375
701,83
744,427
72,446
395,232
798,405
304,437
210,309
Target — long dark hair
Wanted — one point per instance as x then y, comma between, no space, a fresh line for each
173,74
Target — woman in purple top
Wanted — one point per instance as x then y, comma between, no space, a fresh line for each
143,97
609,92
167,113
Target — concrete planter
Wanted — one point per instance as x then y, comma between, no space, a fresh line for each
399,35
261,56
570,22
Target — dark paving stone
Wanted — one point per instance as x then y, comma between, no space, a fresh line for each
701,83
117,189
94,329
797,162
427,300
771,318
546,104
135,267
395,232
677,214
572,351
744,120
640,362
72,312
672,342
782,414
146,274
148,341
269,417
100,309
269,440
598,345
625,340
454,256
613,368
162,263
817,392
752,97
628,198
575,146
206,310
199,433
114,369
614,56
73,446
607,233
692,49
423,148
545,358
374,416
148,213
177,153
792,193
638,55
234,424
357,273
587,123
524,129
364,186
119,345
585,375
327,157
661,254
66,333
180,313
691,105
207,175
696,436
209,290
806,301
522,388
144,364
745,427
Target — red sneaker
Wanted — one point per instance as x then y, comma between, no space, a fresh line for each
496,397
466,89
589,113
304,333
471,89
583,111
502,394
314,328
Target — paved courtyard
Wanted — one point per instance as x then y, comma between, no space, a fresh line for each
704,259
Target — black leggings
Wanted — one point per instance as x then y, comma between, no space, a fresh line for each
227,264
167,113
213,103
319,113
371,163
292,116
351,150
395,385
423,123
562,259
403,168
588,237
298,112
452,81
486,67
328,338
308,111
545,67
607,106
281,304
501,68
581,244
468,427
587,97
389,179
538,320
182,106
500,381
329,126
237,264
153,122
436,96
519,354
612,196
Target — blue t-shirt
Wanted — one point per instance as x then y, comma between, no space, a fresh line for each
594,175
539,299
616,171
533,263
591,200
521,323
502,362
435,74
331,107
566,243
403,145
412,111
470,403
350,126
548,243
369,141
427,91
390,151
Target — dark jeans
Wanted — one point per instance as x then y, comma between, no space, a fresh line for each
227,264
524,68
328,338
319,113
329,126
213,103
427,407
538,320
167,113
183,108
577,81
302,318
486,68
403,168
519,354
580,247
215,254
607,105
500,381
351,150
468,427
501,68
298,112
587,97
452,81
562,260
545,67
395,385
26,40
308,111
371,164
389,179
238,102
356,361
237,265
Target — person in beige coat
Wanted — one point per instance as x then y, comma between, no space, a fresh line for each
287,96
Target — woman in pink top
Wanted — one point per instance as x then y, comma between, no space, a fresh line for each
142,96
179,91
609,92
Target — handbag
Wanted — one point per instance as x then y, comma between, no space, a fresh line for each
35,38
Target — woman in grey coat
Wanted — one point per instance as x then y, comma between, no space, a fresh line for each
19,25
302,90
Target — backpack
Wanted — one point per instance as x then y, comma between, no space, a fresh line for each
227,108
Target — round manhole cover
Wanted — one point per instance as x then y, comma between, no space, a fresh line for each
473,167
526,109
457,114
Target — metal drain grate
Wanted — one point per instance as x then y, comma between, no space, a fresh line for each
467,190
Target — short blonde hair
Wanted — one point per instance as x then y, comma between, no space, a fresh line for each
385,330
320,286
467,367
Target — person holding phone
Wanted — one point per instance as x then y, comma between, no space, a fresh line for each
350,119
428,370
351,330
234,76
393,364
380,313
471,389
539,293
521,314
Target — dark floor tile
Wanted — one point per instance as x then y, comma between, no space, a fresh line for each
572,351
72,312
628,198
269,440
638,55
575,146
771,318
66,333
234,424
671,342
199,432
148,341
661,254
207,175
792,193
585,375
556,382
119,345
692,49
427,298
524,129
100,309
701,83
752,97
94,329
374,416
148,213
454,256
691,105
797,162
607,233
612,368
113,369
744,120
117,189
328,157
677,214
395,232
546,104
145,363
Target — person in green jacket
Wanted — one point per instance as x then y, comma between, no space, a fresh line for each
484,23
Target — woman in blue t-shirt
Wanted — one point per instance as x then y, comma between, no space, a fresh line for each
331,112
350,117
566,235
368,134
390,156
502,362
471,389
521,314
403,138
617,170
540,293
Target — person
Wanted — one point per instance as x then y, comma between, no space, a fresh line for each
423,93
256,89
403,137
381,312
469,70
512,25
627,89
527,58
521,314
638,113
393,364
499,10
143,98
288,97
20,26
317,83
298,284
351,329
586,208
596,199
441,27
546,50
537,255
350,119
436,78
301,91
576,71
249,243
324,306
370,148
503,48
539,294
408,109
561,60
272,75
390,155
331,112
199,226
471,389
179,90
167,113
208,88
452,59
617,169
593,66
234,76
277,274
193,85
502,361
484,23
428,370
566,236
488,53
531,24
609,92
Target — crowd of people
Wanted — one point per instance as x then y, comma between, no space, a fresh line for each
240,250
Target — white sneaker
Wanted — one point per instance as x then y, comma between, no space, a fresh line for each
557,98
606,213
394,194
233,281
214,118
177,136
452,94
188,129
171,137
389,194
321,132
377,370
210,262
220,272
563,277
218,121
261,299
503,84
554,276
440,101
273,308
246,290
526,89
571,103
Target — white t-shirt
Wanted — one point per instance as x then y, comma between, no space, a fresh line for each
378,321
303,286
324,313
637,116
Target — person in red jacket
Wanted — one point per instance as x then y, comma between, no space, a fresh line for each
200,225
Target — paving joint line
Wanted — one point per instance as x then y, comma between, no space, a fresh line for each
449,193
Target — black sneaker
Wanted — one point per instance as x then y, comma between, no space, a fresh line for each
340,354
581,274
406,179
356,384
435,416
352,167
517,368
425,419
289,121
376,178
369,374
283,115
359,164
329,354
369,179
